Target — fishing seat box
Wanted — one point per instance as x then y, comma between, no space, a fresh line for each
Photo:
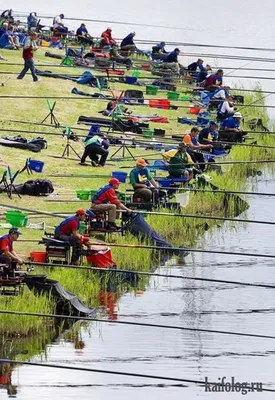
57,249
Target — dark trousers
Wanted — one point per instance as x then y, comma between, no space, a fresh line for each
29,64
92,151
11,265
228,136
74,242
197,158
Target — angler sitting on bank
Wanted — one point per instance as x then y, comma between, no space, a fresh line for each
58,25
95,144
214,81
119,59
143,182
159,52
106,200
209,134
198,71
127,45
231,129
7,254
181,164
171,61
225,109
68,232
191,140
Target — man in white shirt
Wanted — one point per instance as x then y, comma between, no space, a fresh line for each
225,109
58,25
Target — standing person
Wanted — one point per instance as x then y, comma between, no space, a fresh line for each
7,254
30,47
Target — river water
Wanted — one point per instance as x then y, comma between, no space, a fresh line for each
172,353
189,355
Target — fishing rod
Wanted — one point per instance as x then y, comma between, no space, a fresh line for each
132,374
230,57
151,274
181,215
149,325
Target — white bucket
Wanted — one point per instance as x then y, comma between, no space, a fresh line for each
183,198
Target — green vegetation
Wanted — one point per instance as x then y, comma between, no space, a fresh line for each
86,284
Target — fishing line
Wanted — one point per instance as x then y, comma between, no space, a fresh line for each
135,272
132,374
144,324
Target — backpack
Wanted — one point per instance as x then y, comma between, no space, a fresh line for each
37,187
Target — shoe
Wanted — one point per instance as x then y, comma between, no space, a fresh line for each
112,227
82,163
94,164
38,80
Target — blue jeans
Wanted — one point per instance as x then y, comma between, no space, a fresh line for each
29,64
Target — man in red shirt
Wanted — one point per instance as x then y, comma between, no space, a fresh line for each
68,231
214,81
106,200
7,255
30,47
107,39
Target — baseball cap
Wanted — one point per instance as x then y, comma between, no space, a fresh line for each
14,231
213,123
237,115
114,181
141,161
81,211
182,144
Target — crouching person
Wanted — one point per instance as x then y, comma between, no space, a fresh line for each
7,254
68,232
105,200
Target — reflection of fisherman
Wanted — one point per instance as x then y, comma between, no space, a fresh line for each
7,254
5,379
95,144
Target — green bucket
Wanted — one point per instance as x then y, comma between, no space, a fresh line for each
147,133
153,90
136,74
16,218
185,97
83,194
124,197
173,95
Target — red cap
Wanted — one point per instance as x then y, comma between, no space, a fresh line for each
81,211
114,181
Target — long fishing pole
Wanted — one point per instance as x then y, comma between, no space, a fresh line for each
155,274
181,215
136,375
148,325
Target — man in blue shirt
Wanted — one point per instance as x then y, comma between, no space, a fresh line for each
171,60
127,45
198,70
83,35
159,52
231,129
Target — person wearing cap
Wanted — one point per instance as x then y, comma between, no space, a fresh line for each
95,144
58,25
181,164
209,133
106,200
225,109
106,38
68,232
142,181
214,81
171,60
221,93
127,45
231,129
30,47
7,254
193,145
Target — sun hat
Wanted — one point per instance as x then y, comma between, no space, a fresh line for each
237,115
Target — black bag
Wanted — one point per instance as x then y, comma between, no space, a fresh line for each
37,187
